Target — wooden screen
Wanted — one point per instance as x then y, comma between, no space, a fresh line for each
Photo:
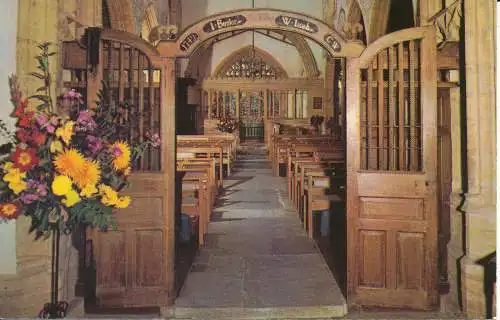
132,88
391,172
390,115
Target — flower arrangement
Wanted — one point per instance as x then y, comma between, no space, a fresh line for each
64,170
227,124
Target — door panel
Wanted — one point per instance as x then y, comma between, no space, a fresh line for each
133,265
391,181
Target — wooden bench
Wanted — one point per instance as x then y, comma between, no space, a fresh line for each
190,153
228,143
195,200
318,199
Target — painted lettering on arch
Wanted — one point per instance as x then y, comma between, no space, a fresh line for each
223,23
296,23
333,43
188,41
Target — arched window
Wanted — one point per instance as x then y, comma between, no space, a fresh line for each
250,63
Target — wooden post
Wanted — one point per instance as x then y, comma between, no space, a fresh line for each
167,92
94,79
265,104
217,103
210,99
238,104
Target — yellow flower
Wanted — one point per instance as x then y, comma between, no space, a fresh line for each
61,185
66,132
8,166
14,175
122,153
18,186
56,146
69,163
88,191
89,174
109,196
72,198
123,202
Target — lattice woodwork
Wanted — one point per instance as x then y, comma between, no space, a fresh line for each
132,81
391,131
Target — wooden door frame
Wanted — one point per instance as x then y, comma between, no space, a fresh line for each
428,91
166,53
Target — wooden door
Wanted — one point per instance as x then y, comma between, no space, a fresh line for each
134,264
391,180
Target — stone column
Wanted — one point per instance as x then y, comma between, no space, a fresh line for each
480,197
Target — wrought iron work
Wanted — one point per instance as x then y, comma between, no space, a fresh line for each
55,309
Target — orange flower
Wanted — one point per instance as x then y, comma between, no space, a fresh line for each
9,211
25,158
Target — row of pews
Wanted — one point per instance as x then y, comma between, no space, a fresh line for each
203,161
314,167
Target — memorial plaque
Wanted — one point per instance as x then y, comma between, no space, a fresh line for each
333,43
188,41
223,23
296,23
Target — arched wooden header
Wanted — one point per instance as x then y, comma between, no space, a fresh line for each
270,19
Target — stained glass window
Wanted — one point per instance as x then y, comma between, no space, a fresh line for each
252,67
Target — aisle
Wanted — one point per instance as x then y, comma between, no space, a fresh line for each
258,262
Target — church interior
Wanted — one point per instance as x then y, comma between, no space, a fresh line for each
316,159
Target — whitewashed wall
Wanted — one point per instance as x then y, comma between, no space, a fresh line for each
8,25
194,10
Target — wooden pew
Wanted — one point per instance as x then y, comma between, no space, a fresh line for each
228,142
318,199
195,200
188,153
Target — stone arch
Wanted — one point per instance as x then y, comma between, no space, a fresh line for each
228,61
354,26
268,19
379,16
149,21
121,15
303,48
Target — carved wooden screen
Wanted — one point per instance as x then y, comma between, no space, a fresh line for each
124,274
391,128
133,90
391,179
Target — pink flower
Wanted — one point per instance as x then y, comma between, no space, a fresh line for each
94,144
85,121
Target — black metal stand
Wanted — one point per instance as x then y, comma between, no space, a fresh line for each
54,309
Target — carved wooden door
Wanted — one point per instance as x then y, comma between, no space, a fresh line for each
134,264
391,181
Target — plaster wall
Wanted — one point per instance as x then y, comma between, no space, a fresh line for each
7,66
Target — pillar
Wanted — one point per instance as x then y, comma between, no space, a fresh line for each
479,208
169,165
7,66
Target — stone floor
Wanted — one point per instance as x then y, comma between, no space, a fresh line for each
258,262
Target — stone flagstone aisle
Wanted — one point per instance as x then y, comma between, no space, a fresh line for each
258,262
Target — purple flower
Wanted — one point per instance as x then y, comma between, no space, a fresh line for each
116,152
85,121
154,139
72,95
28,198
43,121
94,144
